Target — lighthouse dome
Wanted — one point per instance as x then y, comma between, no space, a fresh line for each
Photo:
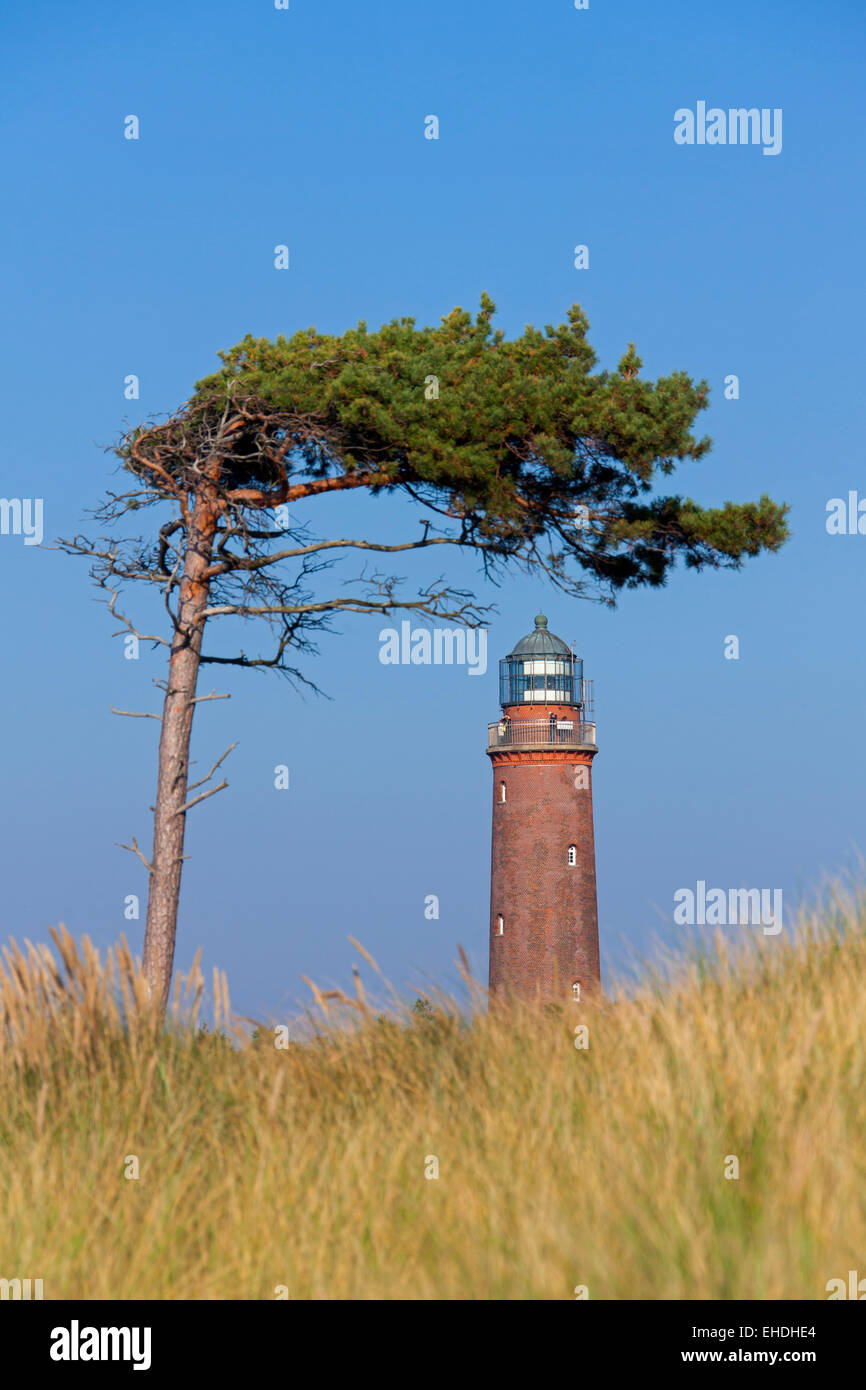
540,642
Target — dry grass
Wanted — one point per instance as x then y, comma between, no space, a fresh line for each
558,1167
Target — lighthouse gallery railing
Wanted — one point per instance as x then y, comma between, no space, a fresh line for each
522,731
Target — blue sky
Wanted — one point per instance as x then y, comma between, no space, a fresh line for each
306,127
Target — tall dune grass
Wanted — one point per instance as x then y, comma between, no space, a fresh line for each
303,1169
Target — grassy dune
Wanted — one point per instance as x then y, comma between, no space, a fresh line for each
304,1167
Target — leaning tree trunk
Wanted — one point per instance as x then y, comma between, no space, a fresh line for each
169,822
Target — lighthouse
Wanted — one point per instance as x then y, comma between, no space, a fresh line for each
543,910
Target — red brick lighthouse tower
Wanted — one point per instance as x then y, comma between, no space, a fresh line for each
543,912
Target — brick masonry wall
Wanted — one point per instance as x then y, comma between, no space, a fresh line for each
550,910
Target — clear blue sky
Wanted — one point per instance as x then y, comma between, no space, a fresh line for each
306,127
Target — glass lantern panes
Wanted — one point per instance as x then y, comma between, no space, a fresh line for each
541,680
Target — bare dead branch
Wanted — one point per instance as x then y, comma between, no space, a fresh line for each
188,805
233,561
200,783
135,714
165,534
127,623
133,849
350,605
80,545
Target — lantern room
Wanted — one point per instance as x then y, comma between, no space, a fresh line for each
542,669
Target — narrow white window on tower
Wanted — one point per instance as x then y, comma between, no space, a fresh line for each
500,925
501,791
575,991
572,856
